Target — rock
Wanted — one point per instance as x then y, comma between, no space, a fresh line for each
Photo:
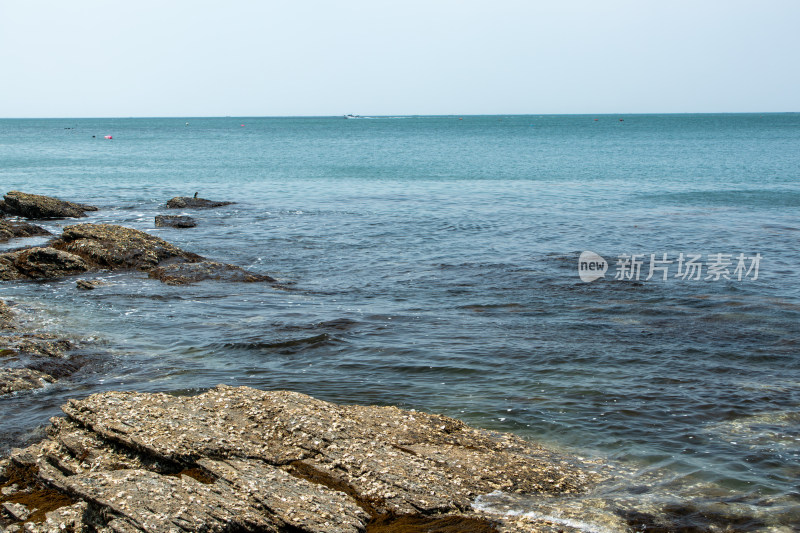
41,501
240,459
175,221
16,230
117,247
6,316
88,285
39,345
67,518
36,206
40,263
17,511
187,202
7,269
19,379
36,358
185,273
87,247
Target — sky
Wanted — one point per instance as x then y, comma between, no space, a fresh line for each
112,58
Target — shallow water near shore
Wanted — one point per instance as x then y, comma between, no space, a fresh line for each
432,263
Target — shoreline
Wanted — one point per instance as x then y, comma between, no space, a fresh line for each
98,245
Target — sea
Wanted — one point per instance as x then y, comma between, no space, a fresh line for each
621,288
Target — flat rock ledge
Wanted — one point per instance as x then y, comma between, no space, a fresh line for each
92,247
188,202
35,206
245,460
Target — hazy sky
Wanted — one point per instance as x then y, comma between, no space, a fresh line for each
300,57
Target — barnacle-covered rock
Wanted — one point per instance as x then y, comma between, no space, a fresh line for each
241,459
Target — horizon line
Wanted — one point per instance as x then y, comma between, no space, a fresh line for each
109,117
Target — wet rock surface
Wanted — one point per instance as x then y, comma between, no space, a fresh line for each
188,202
35,206
16,230
185,273
174,221
19,379
89,284
29,359
240,459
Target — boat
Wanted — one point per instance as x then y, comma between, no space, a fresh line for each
352,116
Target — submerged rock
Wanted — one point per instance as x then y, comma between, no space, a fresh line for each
6,317
185,273
32,359
15,230
240,459
19,379
37,206
175,221
89,284
187,202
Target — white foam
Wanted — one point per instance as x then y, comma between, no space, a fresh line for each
481,505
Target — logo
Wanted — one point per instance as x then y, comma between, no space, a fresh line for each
591,266
689,267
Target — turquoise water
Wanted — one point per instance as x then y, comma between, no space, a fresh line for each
433,262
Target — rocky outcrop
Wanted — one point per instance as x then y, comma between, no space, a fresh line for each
40,263
31,359
15,230
36,206
185,273
187,202
113,247
240,459
87,247
174,221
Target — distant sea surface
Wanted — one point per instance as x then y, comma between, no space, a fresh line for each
433,263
